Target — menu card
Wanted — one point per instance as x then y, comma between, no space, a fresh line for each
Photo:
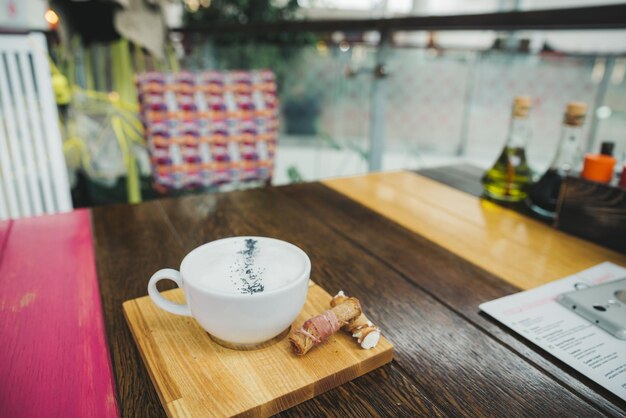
537,316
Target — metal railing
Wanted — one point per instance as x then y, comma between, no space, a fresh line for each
596,17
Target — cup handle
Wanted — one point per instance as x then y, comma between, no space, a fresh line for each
160,301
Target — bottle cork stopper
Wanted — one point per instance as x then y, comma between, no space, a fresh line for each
575,113
521,106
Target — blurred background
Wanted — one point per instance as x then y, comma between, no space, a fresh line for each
361,84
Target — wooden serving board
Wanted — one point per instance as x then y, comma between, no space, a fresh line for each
195,377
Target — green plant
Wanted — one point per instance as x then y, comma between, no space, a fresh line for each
294,174
243,11
274,50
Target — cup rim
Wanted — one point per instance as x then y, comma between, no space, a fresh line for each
304,276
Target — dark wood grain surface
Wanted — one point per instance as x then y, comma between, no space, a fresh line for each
449,359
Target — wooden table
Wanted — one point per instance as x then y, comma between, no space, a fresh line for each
420,254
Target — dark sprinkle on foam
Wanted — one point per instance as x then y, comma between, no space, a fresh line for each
245,275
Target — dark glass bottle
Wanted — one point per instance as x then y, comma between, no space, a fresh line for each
544,194
510,177
622,179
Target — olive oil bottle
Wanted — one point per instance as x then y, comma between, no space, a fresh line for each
510,177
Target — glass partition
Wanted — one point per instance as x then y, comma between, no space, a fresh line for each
436,104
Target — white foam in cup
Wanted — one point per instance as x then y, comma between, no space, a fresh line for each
241,290
247,265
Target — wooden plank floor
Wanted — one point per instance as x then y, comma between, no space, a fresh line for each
449,359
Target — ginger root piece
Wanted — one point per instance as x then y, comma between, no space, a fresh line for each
315,330
361,328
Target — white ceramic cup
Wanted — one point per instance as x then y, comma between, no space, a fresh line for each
235,319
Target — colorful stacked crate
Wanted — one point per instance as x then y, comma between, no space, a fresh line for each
209,128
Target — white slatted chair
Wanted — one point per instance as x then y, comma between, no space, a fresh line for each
33,174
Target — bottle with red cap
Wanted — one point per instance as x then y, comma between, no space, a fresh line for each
599,167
